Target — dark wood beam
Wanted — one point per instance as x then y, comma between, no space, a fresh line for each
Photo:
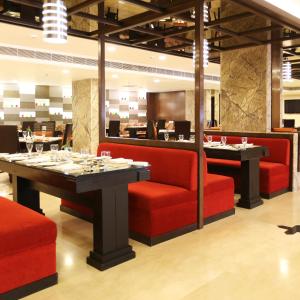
85,4
148,17
160,34
238,35
267,10
146,5
31,3
199,104
101,74
228,19
99,20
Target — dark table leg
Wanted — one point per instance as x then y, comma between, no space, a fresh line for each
25,195
250,197
110,228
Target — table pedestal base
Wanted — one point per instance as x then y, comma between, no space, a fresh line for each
103,262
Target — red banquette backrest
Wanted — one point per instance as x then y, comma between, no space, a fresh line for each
168,166
279,148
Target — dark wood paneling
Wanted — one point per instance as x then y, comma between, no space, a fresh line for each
166,106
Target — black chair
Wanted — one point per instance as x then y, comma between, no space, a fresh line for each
212,123
289,123
49,126
150,131
28,124
67,139
9,134
114,128
182,128
161,124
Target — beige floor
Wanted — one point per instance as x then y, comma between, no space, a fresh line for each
242,257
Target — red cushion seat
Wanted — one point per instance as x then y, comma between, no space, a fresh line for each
167,203
27,246
149,195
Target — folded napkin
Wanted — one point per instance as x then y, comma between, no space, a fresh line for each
66,167
36,160
140,163
250,145
120,161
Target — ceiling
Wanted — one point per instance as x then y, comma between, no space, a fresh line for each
42,72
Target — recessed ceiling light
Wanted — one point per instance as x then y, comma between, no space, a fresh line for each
115,76
111,48
162,57
121,2
34,36
65,71
156,80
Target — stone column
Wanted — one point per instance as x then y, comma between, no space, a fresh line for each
245,79
85,115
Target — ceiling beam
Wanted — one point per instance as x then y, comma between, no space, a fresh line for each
80,6
148,17
99,20
31,3
146,5
267,10
238,35
228,19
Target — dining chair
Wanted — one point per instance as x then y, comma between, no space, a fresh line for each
182,128
9,134
28,124
114,128
49,126
161,124
151,133
67,138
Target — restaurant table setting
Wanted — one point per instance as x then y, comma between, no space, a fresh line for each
71,163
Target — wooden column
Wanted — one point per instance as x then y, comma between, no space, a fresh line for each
276,65
101,73
199,101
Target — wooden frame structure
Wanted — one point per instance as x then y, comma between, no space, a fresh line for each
145,31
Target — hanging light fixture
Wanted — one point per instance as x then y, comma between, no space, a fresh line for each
205,41
287,71
55,22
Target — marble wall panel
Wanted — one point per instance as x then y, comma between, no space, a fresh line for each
85,115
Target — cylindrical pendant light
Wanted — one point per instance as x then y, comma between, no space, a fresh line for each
55,22
287,71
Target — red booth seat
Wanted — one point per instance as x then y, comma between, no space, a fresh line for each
274,169
166,205
27,251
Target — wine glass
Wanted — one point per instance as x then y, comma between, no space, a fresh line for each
209,139
180,137
39,148
29,145
54,151
223,140
244,141
166,136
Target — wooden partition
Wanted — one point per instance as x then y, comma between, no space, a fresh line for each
199,100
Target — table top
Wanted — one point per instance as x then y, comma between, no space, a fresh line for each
172,130
72,173
133,127
40,139
232,152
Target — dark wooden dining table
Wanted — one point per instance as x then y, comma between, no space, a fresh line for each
105,192
249,171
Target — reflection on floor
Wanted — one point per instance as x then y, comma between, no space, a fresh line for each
242,257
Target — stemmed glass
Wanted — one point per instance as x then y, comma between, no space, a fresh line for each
209,139
54,151
166,136
29,145
39,148
223,140
180,137
244,141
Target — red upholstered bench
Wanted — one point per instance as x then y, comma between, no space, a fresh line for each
166,205
27,251
274,169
